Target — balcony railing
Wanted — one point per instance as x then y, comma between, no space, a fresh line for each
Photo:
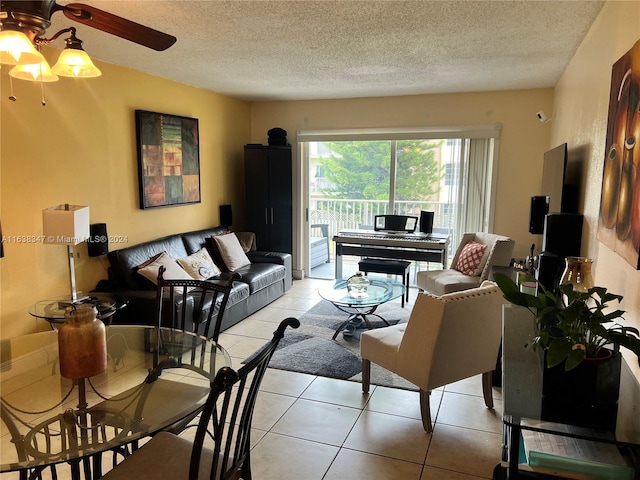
340,214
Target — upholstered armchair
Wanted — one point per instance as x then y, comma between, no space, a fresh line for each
446,339
464,272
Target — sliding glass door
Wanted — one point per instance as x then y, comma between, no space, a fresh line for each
352,180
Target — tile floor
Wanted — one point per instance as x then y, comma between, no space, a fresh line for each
311,428
308,427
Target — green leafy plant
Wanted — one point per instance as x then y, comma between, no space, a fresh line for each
574,326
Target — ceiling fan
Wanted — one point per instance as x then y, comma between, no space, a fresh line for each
34,17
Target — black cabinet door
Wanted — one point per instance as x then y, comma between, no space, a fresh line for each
268,196
280,199
256,171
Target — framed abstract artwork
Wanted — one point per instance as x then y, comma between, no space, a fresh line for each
619,219
168,159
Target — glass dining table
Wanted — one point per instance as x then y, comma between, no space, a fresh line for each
154,378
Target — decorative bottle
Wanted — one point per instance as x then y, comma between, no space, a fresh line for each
357,285
82,343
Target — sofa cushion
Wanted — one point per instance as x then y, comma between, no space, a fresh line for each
441,282
239,292
470,259
261,275
173,271
199,265
194,241
230,251
247,241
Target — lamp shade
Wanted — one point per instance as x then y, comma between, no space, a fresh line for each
35,72
65,224
17,49
73,62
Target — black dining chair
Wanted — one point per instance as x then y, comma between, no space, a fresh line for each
196,306
221,447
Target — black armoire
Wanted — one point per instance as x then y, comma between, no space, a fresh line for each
269,196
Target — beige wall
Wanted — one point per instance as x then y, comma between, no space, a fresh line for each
580,119
523,139
81,149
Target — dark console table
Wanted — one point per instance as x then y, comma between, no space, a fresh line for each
523,419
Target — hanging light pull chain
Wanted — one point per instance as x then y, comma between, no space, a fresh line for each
12,97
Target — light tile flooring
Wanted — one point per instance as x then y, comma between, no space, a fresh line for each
307,427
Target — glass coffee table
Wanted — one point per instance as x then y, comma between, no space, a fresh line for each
378,292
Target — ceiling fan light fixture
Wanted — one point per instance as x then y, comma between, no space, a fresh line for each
35,72
17,49
75,63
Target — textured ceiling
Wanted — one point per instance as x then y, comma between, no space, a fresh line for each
304,49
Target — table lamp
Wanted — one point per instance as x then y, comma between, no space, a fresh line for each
66,225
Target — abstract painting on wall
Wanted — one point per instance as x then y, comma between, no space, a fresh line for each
619,219
168,159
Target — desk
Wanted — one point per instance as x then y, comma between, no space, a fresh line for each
43,423
369,243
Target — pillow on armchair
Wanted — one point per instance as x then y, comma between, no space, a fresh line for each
470,259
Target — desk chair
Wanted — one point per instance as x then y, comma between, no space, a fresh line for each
222,443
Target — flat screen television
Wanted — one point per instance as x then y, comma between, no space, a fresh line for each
553,177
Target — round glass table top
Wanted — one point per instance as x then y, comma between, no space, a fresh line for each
154,378
378,292
53,310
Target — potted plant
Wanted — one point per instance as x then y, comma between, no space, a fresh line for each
581,339
575,326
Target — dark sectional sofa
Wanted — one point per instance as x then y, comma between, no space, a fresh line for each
267,278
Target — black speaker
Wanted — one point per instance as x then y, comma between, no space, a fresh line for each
98,243
225,215
539,208
562,234
550,267
426,221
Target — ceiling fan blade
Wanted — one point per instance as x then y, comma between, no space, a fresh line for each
121,27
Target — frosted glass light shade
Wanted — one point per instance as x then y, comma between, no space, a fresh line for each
65,224
75,63
17,49
35,72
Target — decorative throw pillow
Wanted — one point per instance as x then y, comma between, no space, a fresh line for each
230,250
470,259
199,265
173,271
